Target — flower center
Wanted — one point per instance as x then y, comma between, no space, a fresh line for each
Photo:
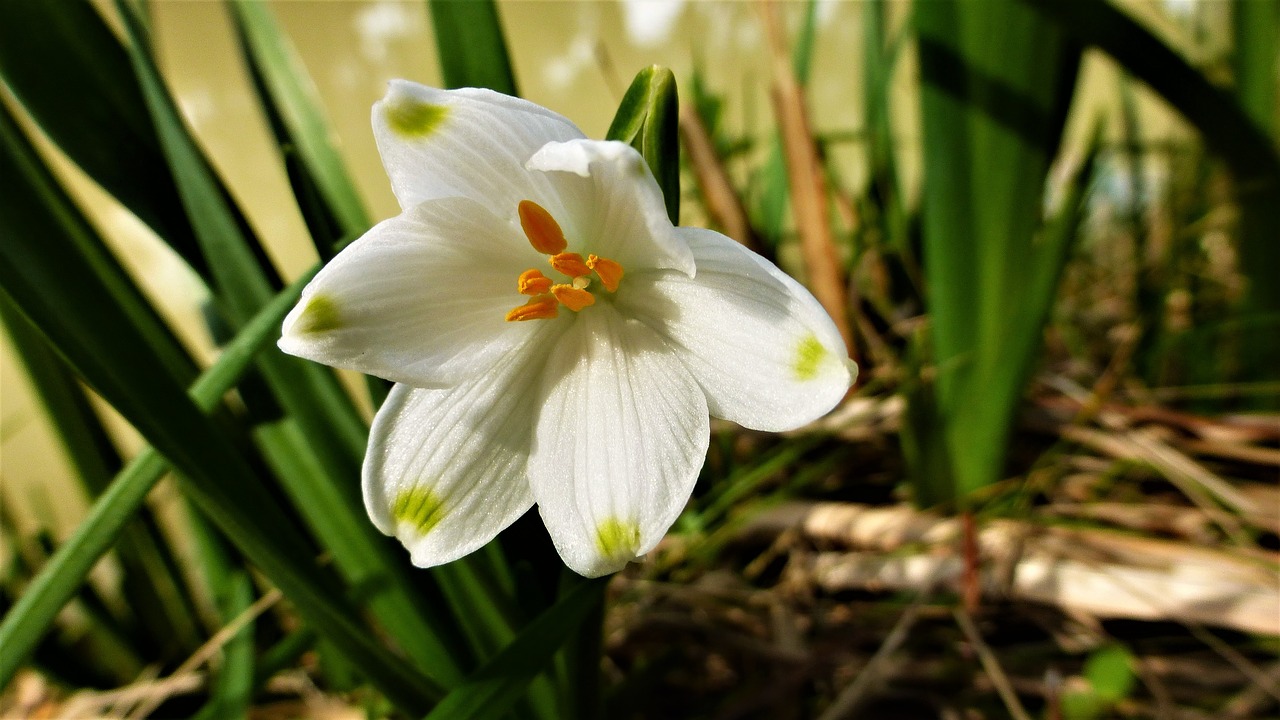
546,295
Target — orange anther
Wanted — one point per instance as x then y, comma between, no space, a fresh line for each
533,282
543,231
609,271
542,307
570,264
572,297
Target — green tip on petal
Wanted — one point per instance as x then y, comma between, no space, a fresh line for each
618,538
413,119
420,508
320,315
809,355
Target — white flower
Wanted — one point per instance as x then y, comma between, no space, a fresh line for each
555,338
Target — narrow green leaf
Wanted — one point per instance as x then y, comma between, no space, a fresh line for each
292,102
69,71
58,580
648,120
310,394
470,44
1227,128
232,686
149,583
1257,48
802,50
499,684
997,81
54,282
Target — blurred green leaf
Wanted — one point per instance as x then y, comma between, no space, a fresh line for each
648,120
297,119
70,73
1110,671
47,271
1227,129
493,689
58,580
333,430
1257,48
470,44
997,82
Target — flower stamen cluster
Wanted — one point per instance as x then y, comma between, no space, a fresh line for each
546,296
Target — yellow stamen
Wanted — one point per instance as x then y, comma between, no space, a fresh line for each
543,231
610,272
570,264
542,307
533,282
572,297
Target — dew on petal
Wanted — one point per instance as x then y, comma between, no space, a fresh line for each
618,539
320,315
418,507
809,355
413,119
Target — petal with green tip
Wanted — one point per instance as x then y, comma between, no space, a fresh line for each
762,348
621,436
445,471
470,143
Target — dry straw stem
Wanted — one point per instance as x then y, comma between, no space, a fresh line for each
1120,441
847,702
211,647
992,666
806,182
147,695
1093,572
104,704
718,196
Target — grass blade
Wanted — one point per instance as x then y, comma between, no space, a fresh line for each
103,126
1257,47
997,83
1227,128
334,432
292,102
65,572
499,684
470,44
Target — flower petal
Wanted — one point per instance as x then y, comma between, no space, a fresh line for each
445,471
463,143
613,206
763,349
621,436
420,299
